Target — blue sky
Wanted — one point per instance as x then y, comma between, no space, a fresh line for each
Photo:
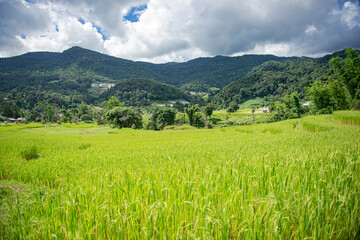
134,13
180,30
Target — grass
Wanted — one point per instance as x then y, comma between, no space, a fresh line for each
264,181
347,117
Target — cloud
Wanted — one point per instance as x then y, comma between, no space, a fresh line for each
180,30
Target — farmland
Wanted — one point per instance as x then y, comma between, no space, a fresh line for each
281,180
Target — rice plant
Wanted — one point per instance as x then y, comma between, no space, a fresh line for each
30,153
347,117
264,181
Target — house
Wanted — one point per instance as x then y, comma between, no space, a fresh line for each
306,103
19,120
264,109
184,102
39,120
9,119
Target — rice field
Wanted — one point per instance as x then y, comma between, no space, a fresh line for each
347,117
266,181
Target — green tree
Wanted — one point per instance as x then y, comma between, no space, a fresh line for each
208,110
50,113
161,117
320,97
233,107
112,103
9,109
348,73
190,111
293,106
124,117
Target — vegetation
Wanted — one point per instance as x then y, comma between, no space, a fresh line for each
30,153
141,92
203,73
347,117
161,117
124,117
289,108
275,79
191,111
250,182
342,90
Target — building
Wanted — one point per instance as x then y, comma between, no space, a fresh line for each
9,119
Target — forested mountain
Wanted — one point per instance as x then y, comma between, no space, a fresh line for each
276,78
65,78
74,69
141,92
203,73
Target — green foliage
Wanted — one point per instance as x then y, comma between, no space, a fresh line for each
290,108
124,117
161,117
202,73
141,92
86,118
30,153
111,103
50,113
208,110
233,107
274,78
348,73
9,109
342,90
190,111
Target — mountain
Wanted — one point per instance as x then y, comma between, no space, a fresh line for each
276,78
204,73
73,69
65,78
141,92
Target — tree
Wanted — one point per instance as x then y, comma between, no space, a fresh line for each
9,109
233,107
348,71
320,97
111,103
190,111
124,117
293,106
162,117
50,113
208,110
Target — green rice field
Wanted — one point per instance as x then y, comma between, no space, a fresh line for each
296,179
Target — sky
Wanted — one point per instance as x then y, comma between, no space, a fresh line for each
179,30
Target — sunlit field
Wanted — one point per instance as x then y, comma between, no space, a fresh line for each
285,180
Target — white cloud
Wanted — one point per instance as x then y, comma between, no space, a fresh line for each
180,30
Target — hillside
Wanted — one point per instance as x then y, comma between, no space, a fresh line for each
275,78
73,69
65,78
201,73
141,92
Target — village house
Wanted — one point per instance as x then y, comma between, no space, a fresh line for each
9,119
20,120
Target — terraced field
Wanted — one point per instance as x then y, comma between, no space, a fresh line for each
266,181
